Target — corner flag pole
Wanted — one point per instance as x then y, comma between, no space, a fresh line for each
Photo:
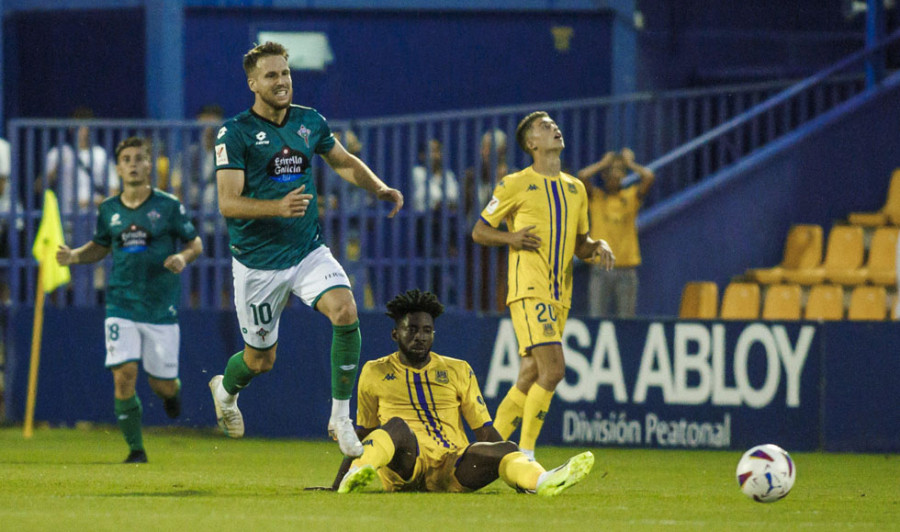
36,334
51,275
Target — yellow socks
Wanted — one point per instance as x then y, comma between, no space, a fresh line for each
537,403
378,450
509,413
520,472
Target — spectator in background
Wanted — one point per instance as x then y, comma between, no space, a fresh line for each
432,183
82,174
613,213
6,203
479,183
194,175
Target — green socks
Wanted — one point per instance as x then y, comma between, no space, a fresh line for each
346,343
237,374
128,414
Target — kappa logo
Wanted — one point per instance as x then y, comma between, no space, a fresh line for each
532,187
261,138
389,377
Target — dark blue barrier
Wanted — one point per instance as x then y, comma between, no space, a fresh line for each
633,383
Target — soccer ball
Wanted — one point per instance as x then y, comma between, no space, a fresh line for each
766,473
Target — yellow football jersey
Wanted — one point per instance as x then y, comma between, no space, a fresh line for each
433,400
557,207
614,219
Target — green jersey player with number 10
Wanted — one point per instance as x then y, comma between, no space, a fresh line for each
142,226
268,198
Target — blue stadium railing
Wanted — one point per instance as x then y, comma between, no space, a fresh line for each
428,249
789,111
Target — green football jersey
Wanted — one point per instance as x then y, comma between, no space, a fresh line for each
275,159
140,288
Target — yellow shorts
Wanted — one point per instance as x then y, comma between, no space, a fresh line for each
537,322
435,474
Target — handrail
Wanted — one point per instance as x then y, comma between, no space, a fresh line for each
779,99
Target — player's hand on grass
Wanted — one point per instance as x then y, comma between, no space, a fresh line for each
394,196
175,263
64,255
295,203
525,239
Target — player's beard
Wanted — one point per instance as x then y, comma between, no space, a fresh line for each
274,103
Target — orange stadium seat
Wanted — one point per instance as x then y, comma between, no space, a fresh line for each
881,267
825,302
740,301
699,300
843,259
782,302
888,214
868,303
802,250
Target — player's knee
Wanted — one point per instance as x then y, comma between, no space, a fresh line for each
399,431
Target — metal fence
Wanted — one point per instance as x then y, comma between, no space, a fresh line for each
428,244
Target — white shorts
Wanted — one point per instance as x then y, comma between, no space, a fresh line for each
260,295
155,344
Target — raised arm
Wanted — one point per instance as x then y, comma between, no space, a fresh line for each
643,172
586,173
86,254
353,170
232,204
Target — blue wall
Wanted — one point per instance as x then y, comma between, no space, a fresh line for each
396,63
672,384
740,220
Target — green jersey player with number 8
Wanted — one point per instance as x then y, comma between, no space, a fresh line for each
142,227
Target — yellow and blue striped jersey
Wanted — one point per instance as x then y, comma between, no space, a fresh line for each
558,208
433,400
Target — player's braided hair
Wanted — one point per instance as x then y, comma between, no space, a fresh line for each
414,301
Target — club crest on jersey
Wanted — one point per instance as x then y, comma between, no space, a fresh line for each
134,239
287,165
440,376
548,329
304,134
154,217
572,188
262,333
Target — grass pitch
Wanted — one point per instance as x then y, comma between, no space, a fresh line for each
69,479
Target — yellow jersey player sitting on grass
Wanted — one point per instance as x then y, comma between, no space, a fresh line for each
410,405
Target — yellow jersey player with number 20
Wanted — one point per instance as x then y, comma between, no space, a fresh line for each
546,214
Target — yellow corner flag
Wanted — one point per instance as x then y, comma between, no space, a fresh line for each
50,277
48,239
